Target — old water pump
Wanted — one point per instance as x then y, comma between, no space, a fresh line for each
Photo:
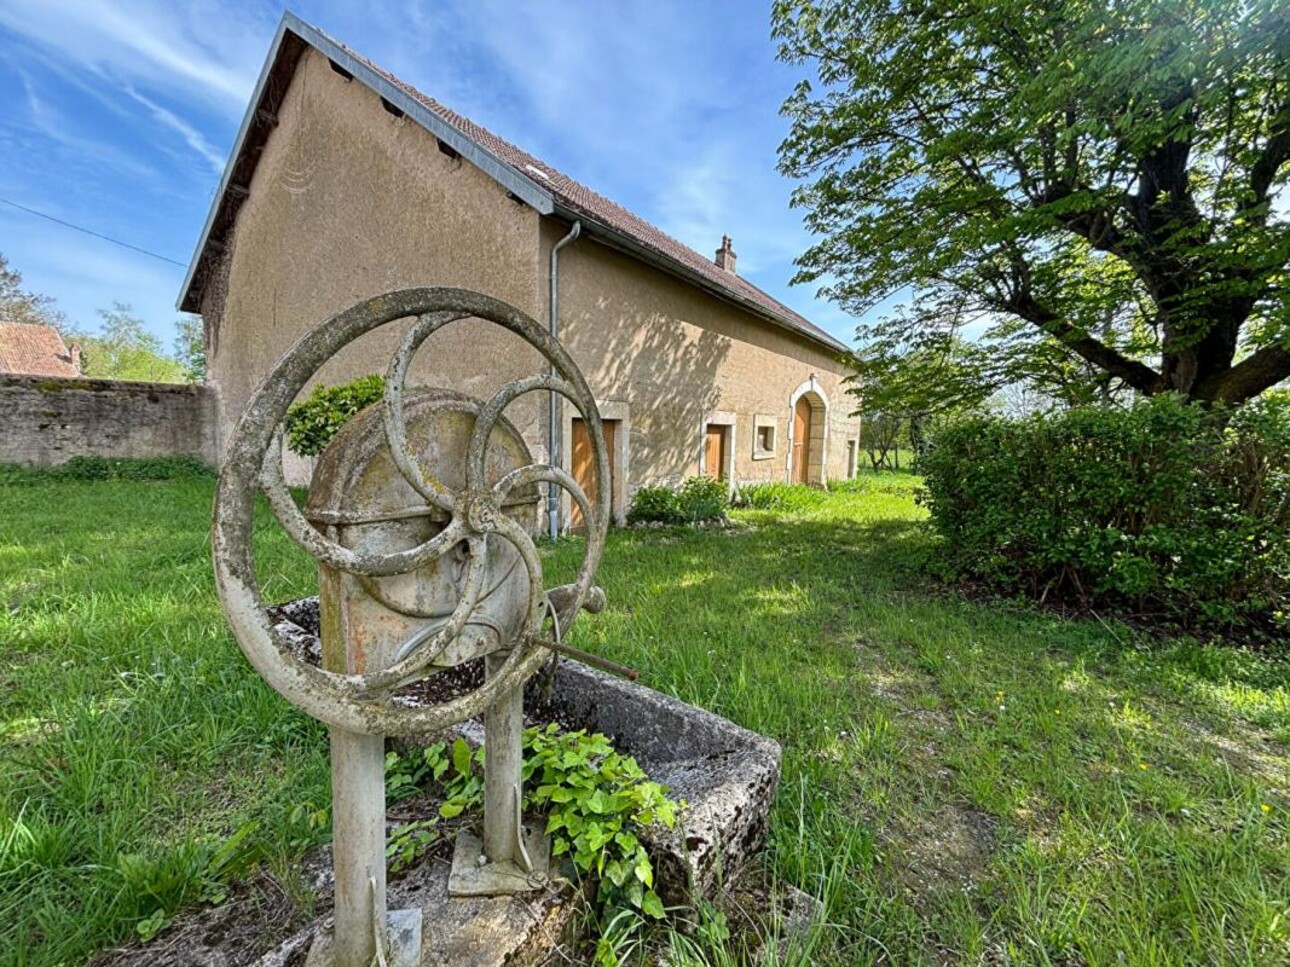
419,516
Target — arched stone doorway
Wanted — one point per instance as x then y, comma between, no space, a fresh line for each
809,424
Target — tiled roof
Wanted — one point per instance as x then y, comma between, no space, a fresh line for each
511,165
34,350
584,201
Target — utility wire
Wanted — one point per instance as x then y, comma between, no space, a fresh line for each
78,228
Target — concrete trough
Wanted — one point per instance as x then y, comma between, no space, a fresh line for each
726,774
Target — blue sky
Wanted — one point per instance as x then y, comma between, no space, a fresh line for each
118,117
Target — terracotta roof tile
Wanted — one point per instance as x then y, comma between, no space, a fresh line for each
34,350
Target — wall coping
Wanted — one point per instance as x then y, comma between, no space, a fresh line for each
59,384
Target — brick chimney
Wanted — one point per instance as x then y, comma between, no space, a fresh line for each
74,356
726,256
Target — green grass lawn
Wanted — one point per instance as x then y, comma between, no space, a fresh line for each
964,782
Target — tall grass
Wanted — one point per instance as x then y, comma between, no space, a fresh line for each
962,782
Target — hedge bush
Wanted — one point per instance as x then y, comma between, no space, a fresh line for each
312,423
1171,511
697,499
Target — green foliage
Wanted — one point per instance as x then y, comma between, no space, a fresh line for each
132,724
698,499
125,350
1163,508
19,305
190,347
594,799
107,468
655,505
703,498
312,423
777,496
1101,184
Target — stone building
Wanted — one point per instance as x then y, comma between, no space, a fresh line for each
344,182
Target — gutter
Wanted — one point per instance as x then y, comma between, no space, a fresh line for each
553,427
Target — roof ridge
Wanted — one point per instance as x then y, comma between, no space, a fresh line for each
491,141
534,181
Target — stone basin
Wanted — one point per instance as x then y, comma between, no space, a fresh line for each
726,774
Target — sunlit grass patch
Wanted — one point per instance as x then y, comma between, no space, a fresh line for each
963,782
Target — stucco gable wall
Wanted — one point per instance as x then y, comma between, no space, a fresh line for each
349,201
678,356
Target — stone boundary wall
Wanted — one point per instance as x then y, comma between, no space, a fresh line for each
46,421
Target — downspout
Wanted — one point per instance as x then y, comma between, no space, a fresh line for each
553,428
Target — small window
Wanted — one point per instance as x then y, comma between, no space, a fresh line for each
765,432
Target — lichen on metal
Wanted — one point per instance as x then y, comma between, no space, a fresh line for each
419,516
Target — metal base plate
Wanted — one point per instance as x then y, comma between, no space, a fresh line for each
403,936
470,878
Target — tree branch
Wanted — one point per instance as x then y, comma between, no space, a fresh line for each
1275,153
1248,378
1138,375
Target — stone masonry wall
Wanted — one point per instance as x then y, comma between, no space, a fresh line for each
48,421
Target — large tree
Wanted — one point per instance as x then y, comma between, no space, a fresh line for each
1102,181
190,347
124,349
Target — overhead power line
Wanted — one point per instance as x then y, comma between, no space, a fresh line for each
79,228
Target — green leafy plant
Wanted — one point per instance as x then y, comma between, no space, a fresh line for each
312,423
595,800
703,498
104,468
1163,508
655,505
697,499
777,496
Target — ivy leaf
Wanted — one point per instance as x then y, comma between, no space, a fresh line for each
461,757
652,905
644,871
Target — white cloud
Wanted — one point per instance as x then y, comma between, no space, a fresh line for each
667,107
191,136
74,151
200,48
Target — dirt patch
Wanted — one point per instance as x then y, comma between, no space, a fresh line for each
898,687
949,846
257,916
936,842
1253,753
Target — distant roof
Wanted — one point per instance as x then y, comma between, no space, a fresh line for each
533,181
28,349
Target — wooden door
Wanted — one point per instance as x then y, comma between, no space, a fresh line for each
583,463
714,452
801,440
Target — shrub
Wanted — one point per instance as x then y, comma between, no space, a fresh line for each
655,505
1167,509
703,498
104,468
697,499
312,423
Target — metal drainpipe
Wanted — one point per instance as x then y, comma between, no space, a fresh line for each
553,429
